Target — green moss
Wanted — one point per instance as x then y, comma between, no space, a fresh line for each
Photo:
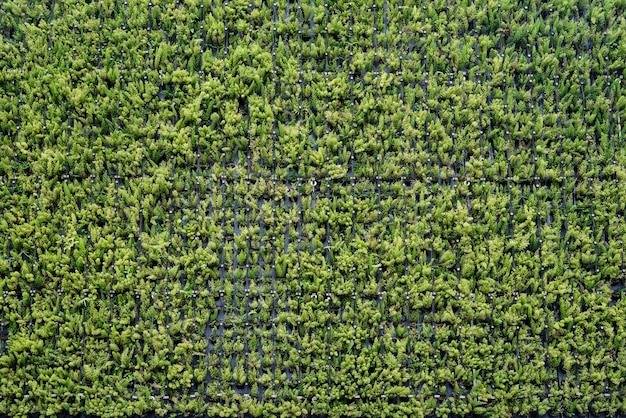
339,208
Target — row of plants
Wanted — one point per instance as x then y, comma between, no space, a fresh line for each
170,255
442,123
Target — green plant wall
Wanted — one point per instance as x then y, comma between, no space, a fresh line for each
291,207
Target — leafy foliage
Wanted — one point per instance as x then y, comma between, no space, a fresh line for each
345,208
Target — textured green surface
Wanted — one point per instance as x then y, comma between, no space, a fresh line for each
297,207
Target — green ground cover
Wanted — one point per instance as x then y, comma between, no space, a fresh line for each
294,207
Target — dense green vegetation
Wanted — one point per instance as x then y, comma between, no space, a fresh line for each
297,207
